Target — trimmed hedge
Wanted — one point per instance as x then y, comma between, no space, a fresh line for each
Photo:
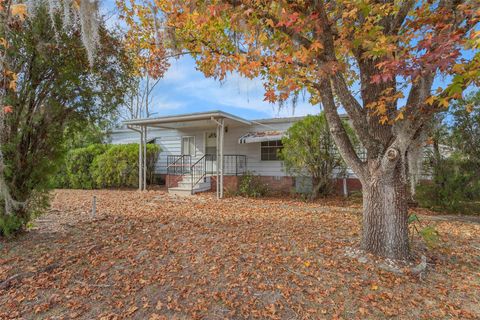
105,166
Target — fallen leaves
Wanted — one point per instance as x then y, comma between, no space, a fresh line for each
152,256
19,10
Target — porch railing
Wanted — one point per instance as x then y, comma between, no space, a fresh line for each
233,165
179,165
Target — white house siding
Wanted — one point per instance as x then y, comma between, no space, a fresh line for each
170,144
252,151
168,140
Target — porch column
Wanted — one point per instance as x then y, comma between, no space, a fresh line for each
222,133
140,160
217,180
220,137
145,157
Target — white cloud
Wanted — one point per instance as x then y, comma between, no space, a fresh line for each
162,104
185,82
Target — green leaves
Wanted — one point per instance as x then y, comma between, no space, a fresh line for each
103,166
309,150
413,218
431,236
428,233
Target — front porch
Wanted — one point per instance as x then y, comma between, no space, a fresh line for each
186,176
196,155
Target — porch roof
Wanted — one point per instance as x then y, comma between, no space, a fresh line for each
133,141
189,120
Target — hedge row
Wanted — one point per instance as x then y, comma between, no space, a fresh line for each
105,166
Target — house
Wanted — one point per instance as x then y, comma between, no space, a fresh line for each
212,150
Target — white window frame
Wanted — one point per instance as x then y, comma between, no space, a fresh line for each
192,152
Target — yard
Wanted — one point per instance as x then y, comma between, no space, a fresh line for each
152,256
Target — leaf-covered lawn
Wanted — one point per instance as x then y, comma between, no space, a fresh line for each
152,256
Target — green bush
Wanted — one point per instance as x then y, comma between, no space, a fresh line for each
118,166
251,186
78,163
105,166
9,225
455,187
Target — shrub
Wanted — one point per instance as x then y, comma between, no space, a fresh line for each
36,205
10,224
118,166
104,166
77,166
310,152
455,187
251,186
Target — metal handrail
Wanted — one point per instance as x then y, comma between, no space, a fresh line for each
194,180
179,159
233,164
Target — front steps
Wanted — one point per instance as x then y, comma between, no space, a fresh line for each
184,187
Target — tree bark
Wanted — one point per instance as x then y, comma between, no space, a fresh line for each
385,216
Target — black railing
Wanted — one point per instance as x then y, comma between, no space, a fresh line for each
234,165
179,165
199,170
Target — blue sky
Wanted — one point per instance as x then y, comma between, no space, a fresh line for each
184,89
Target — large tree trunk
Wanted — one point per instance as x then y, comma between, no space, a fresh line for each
385,216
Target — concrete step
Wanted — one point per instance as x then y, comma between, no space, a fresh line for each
183,192
188,185
188,179
184,188
204,188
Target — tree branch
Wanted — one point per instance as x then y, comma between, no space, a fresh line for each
355,111
402,13
337,129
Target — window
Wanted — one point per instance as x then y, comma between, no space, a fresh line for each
270,150
188,146
211,143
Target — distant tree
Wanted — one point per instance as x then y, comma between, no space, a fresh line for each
465,126
453,160
150,59
56,88
309,150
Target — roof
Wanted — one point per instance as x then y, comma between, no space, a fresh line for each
188,117
132,141
203,119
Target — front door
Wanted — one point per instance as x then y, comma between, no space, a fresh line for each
211,152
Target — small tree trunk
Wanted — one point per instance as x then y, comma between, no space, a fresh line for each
385,216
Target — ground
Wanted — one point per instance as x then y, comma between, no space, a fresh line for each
152,256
